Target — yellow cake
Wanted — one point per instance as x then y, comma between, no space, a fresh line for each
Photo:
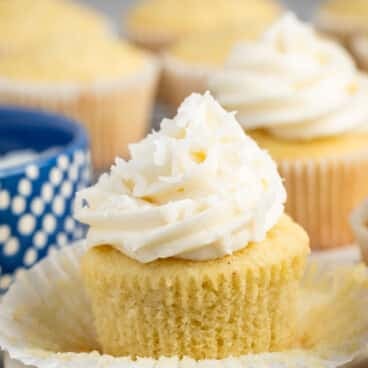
27,24
302,99
343,19
240,304
106,84
190,251
190,62
158,23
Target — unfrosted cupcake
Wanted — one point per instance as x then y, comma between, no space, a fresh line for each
27,24
190,252
156,24
190,62
301,97
343,18
106,84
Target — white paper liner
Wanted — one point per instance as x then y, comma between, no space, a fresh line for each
359,224
46,321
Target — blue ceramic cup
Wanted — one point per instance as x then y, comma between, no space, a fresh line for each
36,197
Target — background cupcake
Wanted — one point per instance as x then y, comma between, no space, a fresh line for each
27,24
190,62
305,102
104,83
156,24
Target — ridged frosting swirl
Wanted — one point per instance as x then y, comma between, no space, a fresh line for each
294,83
198,189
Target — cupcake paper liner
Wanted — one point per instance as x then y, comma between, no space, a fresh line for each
180,79
46,321
322,194
115,113
359,223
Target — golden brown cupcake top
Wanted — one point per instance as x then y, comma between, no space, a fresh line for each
192,16
211,49
26,24
91,61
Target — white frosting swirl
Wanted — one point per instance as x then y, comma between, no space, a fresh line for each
198,189
293,83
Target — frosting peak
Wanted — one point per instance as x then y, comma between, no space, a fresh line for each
199,189
294,83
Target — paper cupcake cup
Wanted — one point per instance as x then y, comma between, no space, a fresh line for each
180,79
359,224
322,193
115,113
46,321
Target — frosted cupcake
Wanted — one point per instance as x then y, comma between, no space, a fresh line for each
106,84
342,18
190,252
190,62
301,98
156,24
27,24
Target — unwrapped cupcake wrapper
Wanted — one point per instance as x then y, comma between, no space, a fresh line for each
115,113
180,79
359,224
322,194
46,321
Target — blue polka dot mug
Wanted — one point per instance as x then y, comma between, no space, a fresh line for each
44,160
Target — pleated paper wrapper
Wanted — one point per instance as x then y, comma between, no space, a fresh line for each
322,194
115,113
46,321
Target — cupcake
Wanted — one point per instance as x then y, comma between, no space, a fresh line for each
190,253
156,24
301,98
190,62
359,224
342,18
27,24
106,84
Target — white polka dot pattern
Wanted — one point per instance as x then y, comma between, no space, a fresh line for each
37,207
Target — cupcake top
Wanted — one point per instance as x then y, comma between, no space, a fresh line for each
197,189
27,24
91,61
294,83
191,16
211,49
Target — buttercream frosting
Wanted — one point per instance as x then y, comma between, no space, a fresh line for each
294,83
198,189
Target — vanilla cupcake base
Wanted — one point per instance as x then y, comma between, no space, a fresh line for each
239,304
115,113
325,180
322,194
36,331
